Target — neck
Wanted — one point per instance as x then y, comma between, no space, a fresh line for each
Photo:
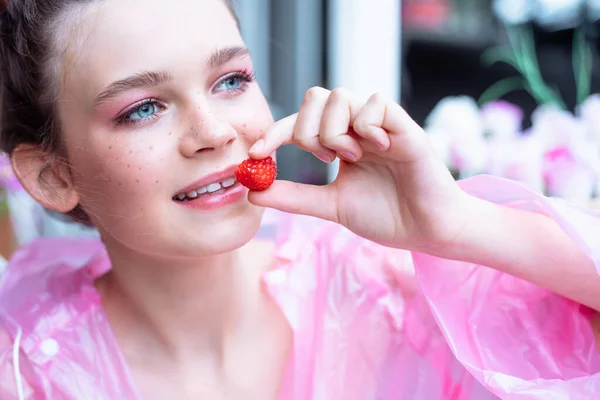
186,311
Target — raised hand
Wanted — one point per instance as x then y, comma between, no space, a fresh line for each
392,188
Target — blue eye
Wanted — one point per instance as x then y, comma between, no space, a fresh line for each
235,82
146,110
142,112
230,84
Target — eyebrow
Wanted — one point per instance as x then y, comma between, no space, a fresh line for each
143,79
155,78
223,56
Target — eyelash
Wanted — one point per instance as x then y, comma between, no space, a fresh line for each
124,118
245,76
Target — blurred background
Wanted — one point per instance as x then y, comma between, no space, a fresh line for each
448,62
416,51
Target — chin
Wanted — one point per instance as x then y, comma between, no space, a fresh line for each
222,237
191,240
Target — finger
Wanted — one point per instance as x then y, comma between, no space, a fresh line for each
306,131
370,120
338,115
407,139
397,121
278,134
298,198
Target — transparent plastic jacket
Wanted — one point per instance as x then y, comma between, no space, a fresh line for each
370,323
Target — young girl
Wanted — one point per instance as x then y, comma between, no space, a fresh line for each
131,116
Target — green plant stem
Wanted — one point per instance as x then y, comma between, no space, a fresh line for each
582,65
521,55
502,88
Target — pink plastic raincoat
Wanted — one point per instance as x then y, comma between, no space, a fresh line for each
367,325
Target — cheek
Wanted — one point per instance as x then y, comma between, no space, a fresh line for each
118,171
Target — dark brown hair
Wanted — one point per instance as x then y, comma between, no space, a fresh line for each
29,83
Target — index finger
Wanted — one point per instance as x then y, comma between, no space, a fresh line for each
278,134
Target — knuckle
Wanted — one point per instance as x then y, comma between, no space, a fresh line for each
328,141
339,94
314,93
378,98
361,124
306,142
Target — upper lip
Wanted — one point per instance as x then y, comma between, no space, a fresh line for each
214,177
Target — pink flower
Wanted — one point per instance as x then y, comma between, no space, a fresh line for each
457,116
519,158
566,176
556,127
502,119
470,157
558,155
589,112
571,160
456,129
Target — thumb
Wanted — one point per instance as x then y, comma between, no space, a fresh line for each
298,198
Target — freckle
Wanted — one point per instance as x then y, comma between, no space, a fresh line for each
151,147
261,131
128,166
140,168
245,125
162,159
156,181
120,184
130,151
137,180
110,147
170,133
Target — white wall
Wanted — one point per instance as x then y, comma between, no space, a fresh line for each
364,48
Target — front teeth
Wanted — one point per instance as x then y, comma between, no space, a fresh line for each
213,187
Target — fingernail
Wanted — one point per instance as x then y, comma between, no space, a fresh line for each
349,156
326,158
258,146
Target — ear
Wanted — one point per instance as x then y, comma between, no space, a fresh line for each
45,177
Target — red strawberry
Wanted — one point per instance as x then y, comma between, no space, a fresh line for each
256,175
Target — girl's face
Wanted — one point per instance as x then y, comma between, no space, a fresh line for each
159,101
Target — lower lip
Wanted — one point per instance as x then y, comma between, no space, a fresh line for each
232,195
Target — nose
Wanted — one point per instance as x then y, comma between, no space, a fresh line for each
206,132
